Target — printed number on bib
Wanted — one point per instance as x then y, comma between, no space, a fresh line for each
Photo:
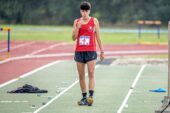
84,40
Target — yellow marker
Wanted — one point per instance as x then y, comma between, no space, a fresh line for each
158,22
6,29
6,56
149,22
1,58
140,22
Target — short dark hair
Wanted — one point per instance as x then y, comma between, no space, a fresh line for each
85,5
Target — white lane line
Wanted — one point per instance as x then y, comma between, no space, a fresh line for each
131,89
29,73
136,52
8,82
47,48
60,94
70,54
56,97
17,46
14,101
30,54
36,56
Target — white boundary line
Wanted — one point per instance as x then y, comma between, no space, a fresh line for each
17,46
131,89
136,51
70,54
57,96
31,54
29,73
14,101
36,56
46,48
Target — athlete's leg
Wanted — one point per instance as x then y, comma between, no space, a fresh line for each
91,69
81,71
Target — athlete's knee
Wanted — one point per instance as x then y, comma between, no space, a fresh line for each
91,71
81,77
91,75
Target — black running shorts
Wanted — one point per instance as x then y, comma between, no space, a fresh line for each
85,56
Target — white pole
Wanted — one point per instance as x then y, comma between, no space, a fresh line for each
169,59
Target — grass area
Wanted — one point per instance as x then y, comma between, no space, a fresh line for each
64,33
131,38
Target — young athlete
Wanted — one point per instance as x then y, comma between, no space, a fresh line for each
86,33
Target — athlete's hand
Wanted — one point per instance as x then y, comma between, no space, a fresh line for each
101,56
79,24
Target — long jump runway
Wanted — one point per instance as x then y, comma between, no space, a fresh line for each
52,67
112,87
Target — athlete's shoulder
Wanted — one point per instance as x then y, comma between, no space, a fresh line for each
95,20
77,19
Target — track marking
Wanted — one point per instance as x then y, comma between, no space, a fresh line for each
136,52
15,101
70,54
131,89
29,73
47,48
60,94
30,54
17,46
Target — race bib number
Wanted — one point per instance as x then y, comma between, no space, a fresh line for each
84,40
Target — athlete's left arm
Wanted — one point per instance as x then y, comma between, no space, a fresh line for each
97,28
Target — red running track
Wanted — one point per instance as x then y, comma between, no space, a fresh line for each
14,68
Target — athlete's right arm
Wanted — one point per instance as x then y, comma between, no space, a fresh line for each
76,28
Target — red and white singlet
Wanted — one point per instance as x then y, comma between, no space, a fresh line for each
86,37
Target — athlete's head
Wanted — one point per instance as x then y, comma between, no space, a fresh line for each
85,8
85,5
